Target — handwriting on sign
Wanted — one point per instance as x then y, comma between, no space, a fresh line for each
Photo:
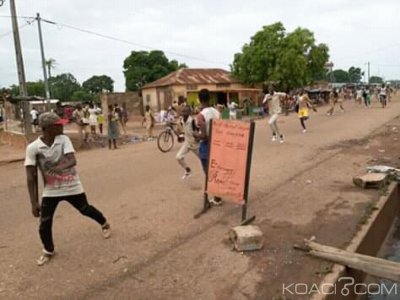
228,159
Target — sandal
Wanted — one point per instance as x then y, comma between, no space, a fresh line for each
44,258
106,229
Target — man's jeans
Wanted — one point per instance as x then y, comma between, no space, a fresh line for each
203,155
48,207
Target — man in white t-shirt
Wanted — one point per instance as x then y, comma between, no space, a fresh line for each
204,118
53,153
232,110
274,108
82,122
34,117
190,144
383,95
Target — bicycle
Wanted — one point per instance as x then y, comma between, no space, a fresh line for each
165,140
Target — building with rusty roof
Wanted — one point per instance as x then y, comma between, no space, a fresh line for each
186,83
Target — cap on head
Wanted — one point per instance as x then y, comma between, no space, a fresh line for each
50,118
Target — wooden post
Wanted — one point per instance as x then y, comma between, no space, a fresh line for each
374,266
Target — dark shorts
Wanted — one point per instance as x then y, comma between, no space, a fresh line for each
203,154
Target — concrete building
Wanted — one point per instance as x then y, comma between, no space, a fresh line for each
186,83
132,101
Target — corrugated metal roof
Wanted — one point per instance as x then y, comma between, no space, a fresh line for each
193,76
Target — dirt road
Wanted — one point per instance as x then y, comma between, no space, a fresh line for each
158,251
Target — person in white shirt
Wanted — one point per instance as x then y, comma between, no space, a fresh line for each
53,153
232,110
190,143
274,107
383,95
82,122
359,95
204,118
92,118
34,116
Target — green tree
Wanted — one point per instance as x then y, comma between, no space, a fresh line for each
50,64
375,79
142,67
355,75
36,88
82,95
340,75
289,60
14,89
318,58
33,89
258,59
96,84
63,86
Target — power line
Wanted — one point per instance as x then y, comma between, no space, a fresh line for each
128,42
388,66
19,27
369,52
18,17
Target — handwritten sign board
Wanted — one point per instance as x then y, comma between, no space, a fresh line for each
229,163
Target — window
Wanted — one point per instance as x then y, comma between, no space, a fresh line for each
148,98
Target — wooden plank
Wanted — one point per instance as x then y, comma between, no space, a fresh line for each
374,266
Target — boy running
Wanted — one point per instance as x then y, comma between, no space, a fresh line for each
190,143
304,103
204,118
274,105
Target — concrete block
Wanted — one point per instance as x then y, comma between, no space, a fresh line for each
371,180
247,238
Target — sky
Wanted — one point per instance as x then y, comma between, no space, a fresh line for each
200,33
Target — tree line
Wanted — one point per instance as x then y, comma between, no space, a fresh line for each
353,75
287,60
66,87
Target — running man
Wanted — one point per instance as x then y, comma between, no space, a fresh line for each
342,95
54,154
274,106
383,95
304,103
359,95
204,118
367,97
190,143
333,96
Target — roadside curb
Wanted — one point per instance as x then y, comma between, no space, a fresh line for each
367,240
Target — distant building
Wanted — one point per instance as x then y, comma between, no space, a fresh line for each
186,83
130,99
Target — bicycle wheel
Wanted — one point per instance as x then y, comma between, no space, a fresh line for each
165,141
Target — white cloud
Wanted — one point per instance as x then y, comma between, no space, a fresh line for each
356,31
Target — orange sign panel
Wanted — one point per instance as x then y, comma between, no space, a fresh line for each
229,148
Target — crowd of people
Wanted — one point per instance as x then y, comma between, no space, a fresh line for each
53,152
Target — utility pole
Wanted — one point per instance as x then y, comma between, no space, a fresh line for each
21,71
46,83
368,72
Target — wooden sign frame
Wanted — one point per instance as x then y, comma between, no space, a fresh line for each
250,141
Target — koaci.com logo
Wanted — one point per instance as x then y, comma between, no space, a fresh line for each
345,286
